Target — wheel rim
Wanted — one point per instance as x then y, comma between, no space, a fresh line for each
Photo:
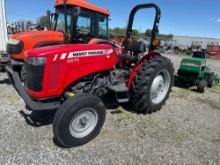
160,87
83,123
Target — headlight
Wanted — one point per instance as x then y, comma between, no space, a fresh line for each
13,41
14,46
36,61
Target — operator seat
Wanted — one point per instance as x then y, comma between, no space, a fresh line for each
136,47
199,54
135,50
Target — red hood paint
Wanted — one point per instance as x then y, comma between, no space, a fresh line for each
64,48
66,64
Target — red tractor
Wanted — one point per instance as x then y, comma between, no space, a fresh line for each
74,78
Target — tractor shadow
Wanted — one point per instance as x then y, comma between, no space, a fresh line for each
182,84
38,119
115,108
44,118
112,105
185,85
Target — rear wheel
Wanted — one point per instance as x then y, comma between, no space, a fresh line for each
211,80
78,120
202,86
152,84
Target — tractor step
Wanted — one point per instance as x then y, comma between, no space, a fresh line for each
119,88
121,92
125,100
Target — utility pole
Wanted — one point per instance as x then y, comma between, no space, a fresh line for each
140,32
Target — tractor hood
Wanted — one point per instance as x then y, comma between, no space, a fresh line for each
37,35
21,42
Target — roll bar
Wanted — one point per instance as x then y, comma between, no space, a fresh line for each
155,29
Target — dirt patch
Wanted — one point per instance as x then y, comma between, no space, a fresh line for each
212,103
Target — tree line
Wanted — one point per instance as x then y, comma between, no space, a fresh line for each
117,31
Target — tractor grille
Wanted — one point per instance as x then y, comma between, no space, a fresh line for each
15,49
188,73
34,77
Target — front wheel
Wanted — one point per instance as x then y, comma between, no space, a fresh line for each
211,80
2,68
152,84
78,120
202,86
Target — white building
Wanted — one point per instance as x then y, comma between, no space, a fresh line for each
186,42
3,27
3,35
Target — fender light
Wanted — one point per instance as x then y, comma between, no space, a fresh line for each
36,61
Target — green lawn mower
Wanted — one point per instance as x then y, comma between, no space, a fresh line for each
194,71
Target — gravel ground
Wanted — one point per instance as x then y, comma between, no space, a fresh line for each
185,131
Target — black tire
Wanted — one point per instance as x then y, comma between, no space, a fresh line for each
143,81
202,86
68,111
211,80
17,69
2,68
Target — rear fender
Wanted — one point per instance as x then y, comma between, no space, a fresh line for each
139,64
